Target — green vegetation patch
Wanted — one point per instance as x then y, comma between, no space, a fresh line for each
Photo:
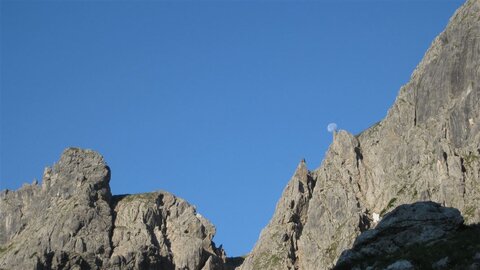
469,212
332,251
274,260
402,190
267,261
470,159
141,196
5,249
33,255
389,206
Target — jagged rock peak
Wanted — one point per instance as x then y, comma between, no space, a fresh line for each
302,171
76,169
65,223
73,222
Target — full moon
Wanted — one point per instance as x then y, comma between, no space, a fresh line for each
332,127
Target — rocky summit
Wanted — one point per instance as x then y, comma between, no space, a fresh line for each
72,221
403,194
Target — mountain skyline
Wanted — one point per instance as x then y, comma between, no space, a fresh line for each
214,102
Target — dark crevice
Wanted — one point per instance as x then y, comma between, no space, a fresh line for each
113,204
359,187
464,175
364,222
358,154
204,259
311,185
415,114
462,163
167,261
445,158
301,189
48,259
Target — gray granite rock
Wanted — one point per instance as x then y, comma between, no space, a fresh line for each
73,222
426,149
66,221
160,231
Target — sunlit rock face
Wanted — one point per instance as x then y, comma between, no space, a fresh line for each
426,149
72,221
64,222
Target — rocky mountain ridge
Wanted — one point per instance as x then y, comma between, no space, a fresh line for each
426,149
72,221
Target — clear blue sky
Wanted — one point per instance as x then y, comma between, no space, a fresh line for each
214,101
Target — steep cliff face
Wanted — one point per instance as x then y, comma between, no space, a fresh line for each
427,148
72,221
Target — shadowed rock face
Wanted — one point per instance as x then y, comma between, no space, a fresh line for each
422,235
71,221
426,149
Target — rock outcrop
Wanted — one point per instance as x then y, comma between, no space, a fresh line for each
426,149
160,231
72,221
422,235
63,223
